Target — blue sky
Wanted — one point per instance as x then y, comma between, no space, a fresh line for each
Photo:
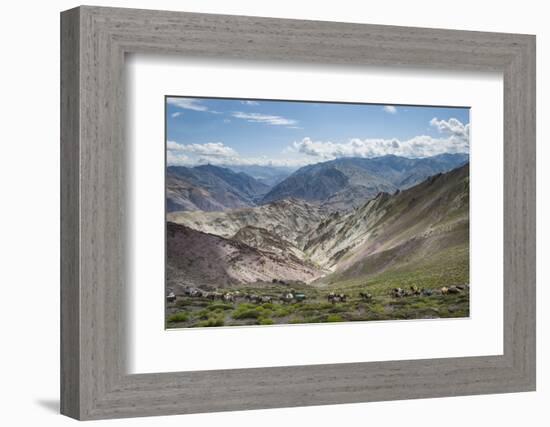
285,133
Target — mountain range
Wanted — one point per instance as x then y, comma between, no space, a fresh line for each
420,226
210,188
266,174
349,182
340,184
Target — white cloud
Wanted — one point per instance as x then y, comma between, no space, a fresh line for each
174,146
250,103
187,104
209,149
264,118
452,127
419,146
176,159
456,140
176,114
218,153
256,161
390,109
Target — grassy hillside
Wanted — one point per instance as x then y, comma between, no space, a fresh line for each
404,232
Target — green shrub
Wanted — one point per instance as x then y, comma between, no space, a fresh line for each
334,318
249,311
203,314
316,306
282,311
265,321
219,306
313,319
178,317
246,305
183,303
211,321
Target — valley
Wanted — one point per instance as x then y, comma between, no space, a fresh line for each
355,227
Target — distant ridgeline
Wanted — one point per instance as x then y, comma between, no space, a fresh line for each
336,185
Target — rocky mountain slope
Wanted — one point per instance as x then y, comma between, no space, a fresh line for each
208,261
389,232
240,181
289,220
348,182
210,188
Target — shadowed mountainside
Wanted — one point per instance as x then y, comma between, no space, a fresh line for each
210,188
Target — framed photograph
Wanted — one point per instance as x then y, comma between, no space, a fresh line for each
262,213
277,226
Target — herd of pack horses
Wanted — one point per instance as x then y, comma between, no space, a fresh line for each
292,296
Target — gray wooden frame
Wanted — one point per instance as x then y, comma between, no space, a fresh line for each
94,41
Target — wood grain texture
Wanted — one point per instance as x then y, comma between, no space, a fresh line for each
70,314
94,272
